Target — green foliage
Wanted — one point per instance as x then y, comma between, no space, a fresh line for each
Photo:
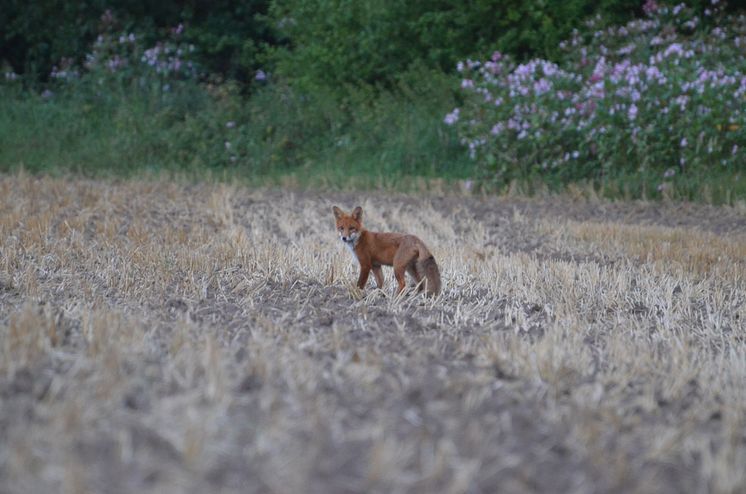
338,43
231,37
36,35
354,89
655,97
106,127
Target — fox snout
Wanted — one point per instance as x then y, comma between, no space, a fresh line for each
349,237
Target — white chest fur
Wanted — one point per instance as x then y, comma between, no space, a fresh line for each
351,248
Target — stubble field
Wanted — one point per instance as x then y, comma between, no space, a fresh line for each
163,337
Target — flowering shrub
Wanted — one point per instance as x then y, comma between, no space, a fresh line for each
10,76
661,94
123,57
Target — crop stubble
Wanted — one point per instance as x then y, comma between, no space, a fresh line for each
166,337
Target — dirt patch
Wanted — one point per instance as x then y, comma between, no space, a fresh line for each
202,338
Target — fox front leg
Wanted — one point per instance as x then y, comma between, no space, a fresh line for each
378,274
363,279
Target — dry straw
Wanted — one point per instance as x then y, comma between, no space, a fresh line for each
162,337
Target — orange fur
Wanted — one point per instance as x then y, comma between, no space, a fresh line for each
406,253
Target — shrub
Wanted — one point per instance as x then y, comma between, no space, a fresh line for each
231,37
122,64
36,35
345,43
656,94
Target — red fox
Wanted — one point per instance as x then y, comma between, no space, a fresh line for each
406,253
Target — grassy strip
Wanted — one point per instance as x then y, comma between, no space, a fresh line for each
277,138
196,130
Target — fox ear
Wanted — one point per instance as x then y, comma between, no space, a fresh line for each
357,214
337,212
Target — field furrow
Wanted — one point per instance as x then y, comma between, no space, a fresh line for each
165,337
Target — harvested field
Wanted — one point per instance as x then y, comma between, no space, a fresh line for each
161,337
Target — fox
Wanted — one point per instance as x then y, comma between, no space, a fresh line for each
406,253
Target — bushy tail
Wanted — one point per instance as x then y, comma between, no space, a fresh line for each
428,270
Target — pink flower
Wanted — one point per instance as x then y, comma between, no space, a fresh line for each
663,187
542,86
650,7
632,113
452,117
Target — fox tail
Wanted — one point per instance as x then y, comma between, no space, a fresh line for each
427,269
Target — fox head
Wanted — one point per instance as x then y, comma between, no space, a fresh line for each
349,226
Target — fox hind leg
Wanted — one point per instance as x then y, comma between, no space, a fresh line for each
404,261
412,270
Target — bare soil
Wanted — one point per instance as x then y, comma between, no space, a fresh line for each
160,337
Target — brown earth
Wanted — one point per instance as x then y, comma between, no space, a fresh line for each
160,337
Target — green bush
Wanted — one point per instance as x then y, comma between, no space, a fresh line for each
339,43
102,123
233,38
657,97
34,36
358,89
230,37
324,42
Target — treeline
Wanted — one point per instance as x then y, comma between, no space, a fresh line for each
311,42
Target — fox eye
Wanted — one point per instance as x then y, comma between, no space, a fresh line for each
340,228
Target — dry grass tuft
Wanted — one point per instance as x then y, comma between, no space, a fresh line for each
691,250
160,337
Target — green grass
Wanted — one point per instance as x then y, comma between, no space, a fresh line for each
63,134
717,187
393,140
274,134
